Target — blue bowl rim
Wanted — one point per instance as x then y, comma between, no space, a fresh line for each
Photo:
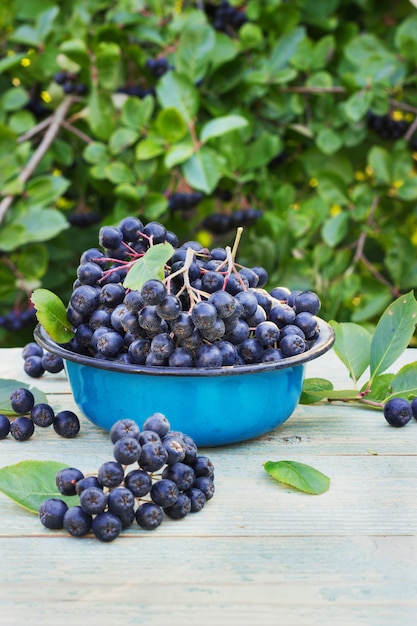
321,345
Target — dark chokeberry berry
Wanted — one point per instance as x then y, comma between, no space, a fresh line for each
77,522
66,480
22,428
149,516
4,426
106,526
42,415
22,400
66,424
398,412
51,513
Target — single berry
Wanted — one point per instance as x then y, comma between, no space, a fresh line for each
110,474
127,450
181,474
32,349
124,428
51,513
93,500
164,492
206,485
4,426
77,522
22,400
42,415
414,407
197,498
106,526
138,482
120,500
398,412
33,367
149,516
22,428
180,508
66,480
66,424
158,423
86,483
153,456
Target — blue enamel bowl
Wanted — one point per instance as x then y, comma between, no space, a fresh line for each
216,407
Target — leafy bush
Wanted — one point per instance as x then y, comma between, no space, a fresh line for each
295,119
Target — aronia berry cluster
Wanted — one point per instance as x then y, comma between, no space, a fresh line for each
207,311
156,473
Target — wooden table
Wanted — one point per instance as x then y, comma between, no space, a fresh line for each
259,553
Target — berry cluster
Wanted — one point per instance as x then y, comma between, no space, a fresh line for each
398,411
155,473
37,361
182,201
65,423
386,127
18,319
158,67
207,312
228,18
81,219
136,91
70,83
222,223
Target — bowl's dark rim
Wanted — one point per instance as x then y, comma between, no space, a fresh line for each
322,344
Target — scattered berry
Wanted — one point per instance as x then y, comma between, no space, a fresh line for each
22,428
398,412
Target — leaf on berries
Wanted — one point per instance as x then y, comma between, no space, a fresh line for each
393,333
150,265
314,390
29,483
52,314
298,475
7,386
352,345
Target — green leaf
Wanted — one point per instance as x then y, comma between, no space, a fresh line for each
108,55
171,125
404,382
352,345
358,104
149,148
137,113
100,114
328,141
285,48
121,139
52,314
405,37
118,172
29,483
76,50
151,265
380,161
8,385
393,333
221,126
8,63
32,261
36,225
44,190
408,190
380,388
155,205
202,171
335,229
314,390
14,99
193,54
298,475
179,153
178,92
95,152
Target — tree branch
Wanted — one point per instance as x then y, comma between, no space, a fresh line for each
37,156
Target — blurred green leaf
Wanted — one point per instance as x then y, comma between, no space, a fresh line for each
52,314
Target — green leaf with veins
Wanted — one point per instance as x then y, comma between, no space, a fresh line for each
393,333
52,314
150,265
298,475
29,483
352,346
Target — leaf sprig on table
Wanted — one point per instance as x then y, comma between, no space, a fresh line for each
360,349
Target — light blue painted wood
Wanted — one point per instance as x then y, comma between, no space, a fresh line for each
258,553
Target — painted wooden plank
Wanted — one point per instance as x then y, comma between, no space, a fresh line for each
326,581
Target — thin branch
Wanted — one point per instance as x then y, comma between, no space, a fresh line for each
76,131
403,106
37,156
304,89
411,130
35,130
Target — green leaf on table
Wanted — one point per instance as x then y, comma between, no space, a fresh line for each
404,382
8,385
314,390
298,475
29,483
393,333
52,314
150,265
352,345
380,388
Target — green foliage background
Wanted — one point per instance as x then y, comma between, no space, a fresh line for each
272,115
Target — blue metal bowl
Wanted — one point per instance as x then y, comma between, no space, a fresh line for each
215,407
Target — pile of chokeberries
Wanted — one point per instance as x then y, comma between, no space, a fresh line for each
70,83
30,414
386,126
155,473
207,311
398,411
221,223
37,361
